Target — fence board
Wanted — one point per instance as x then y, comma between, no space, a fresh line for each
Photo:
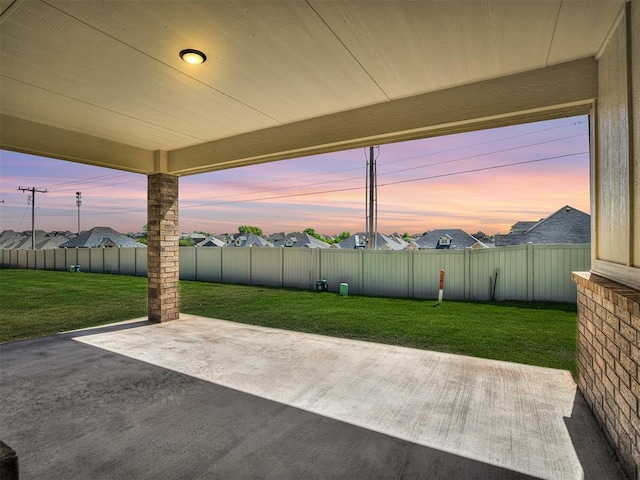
210,264
299,267
84,259
235,265
386,273
141,262
128,260
111,258
553,265
266,266
187,263
342,266
426,273
41,259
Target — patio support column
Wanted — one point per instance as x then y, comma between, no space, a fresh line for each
162,248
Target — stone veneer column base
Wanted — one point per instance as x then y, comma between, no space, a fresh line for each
609,362
163,269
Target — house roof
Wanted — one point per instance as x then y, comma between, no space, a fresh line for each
459,239
383,242
8,237
300,240
101,236
211,241
22,240
249,240
567,225
286,79
521,227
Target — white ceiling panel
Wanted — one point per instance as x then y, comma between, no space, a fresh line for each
582,28
69,58
416,47
277,57
37,105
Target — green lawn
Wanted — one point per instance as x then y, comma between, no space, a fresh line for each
35,303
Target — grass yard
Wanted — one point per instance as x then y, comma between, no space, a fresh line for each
35,303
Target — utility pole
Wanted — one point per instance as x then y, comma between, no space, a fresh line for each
372,201
78,203
33,191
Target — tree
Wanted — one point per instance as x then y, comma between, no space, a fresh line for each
186,242
341,236
406,236
314,234
246,229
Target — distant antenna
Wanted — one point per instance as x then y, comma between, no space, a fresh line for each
33,191
371,205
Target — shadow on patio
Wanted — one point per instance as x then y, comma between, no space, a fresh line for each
203,398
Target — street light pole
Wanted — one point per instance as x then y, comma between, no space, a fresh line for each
78,203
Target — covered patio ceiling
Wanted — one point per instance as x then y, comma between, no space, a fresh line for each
102,83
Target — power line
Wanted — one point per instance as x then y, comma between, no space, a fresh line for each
396,171
487,142
389,183
85,180
402,160
481,154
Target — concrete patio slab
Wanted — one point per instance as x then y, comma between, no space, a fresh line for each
204,398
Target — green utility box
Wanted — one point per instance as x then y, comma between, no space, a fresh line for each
344,289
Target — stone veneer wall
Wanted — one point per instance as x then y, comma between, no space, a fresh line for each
609,362
163,269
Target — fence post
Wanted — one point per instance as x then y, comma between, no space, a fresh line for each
530,273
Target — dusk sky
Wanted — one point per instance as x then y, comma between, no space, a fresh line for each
420,187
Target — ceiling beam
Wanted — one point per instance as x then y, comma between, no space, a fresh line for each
560,90
34,138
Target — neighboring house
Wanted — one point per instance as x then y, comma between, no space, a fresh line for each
9,238
211,241
483,237
448,239
249,240
396,237
300,240
276,236
567,225
22,240
195,236
361,240
101,237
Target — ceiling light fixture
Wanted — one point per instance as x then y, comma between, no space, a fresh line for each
194,57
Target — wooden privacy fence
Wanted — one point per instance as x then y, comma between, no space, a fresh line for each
524,272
